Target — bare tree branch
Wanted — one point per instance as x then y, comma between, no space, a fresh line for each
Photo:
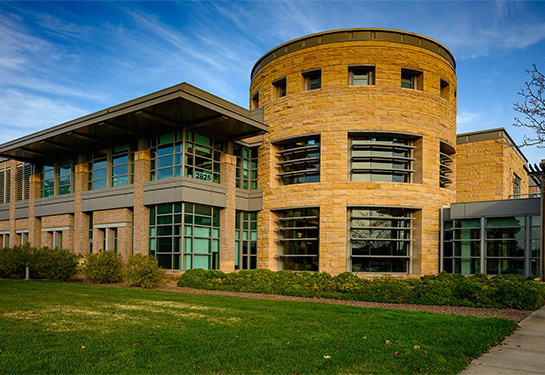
532,108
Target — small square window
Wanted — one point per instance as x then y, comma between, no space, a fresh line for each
444,89
313,80
361,75
280,87
411,79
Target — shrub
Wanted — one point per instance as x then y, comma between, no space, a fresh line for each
43,263
103,267
143,271
53,264
443,289
13,261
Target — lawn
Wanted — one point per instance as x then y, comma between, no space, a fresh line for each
49,327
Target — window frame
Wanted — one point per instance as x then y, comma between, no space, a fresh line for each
312,79
369,73
412,79
361,150
24,173
107,155
292,260
182,226
358,214
247,162
280,87
187,152
289,156
246,240
53,173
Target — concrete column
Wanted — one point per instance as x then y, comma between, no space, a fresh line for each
81,220
141,212
227,216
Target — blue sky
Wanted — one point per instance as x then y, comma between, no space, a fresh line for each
62,60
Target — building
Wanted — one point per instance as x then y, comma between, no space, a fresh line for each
345,162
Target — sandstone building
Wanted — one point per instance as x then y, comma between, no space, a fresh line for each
347,161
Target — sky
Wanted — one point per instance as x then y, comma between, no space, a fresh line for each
63,60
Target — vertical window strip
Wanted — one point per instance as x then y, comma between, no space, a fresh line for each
298,239
47,181
246,167
5,185
24,171
381,240
505,245
462,246
246,240
65,178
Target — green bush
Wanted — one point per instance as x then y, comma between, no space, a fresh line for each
43,263
143,271
13,261
510,291
103,267
53,264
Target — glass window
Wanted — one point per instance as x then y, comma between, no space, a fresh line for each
201,159
313,80
381,158
246,240
300,161
65,176
381,240
298,238
516,185
47,184
280,87
411,79
110,167
187,238
361,75
246,167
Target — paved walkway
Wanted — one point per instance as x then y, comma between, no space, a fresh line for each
521,353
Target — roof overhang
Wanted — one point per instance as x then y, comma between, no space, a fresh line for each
174,108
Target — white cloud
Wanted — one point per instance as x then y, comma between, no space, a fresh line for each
23,114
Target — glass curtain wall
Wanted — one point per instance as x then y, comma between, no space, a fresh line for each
185,236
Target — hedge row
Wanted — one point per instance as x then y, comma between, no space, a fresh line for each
43,263
504,291
61,264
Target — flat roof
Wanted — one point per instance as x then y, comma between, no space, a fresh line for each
173,108
355,34
487,135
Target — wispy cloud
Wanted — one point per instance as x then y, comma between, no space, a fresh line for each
31,113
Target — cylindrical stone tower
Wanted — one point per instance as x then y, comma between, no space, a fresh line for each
360,156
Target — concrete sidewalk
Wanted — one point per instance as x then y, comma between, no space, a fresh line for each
521,353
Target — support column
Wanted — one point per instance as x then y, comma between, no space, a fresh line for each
81,220
34,223
14,239
227,216
141,212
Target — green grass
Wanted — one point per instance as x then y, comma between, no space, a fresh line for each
49,327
